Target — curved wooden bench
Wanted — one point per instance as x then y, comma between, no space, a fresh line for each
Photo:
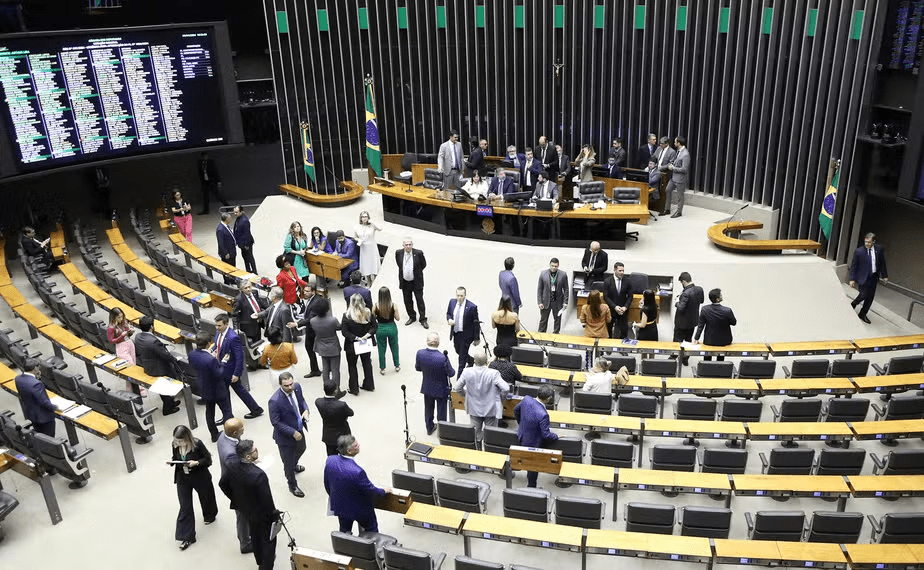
352,192
718,234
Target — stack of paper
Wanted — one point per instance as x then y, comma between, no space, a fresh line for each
103,359
77,411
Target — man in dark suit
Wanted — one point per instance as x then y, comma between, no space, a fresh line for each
228,459
244,239
248,488
509,285
513,158
618,154
345,248
564,162
278,316
228,348
646,151
548,157
354,288
533,424
617,292
594,263
545,188
288,414
33,247
411,263
334,413
866,269
36,406
227,246
687,313
552,295
211,182
152,355
475,162
312,308
213,382
718,321
501,184
352,494
435,386
529,172
245,305
464,326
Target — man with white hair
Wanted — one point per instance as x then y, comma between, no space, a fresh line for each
436,370
277,317
483,388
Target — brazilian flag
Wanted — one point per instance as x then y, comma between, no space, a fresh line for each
373,151
307,155
826,217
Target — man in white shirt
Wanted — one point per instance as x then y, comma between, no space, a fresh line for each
411,263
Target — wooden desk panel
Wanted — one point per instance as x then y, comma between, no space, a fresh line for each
59,335
678,481
147,271
124,252
643,346
814,553
522,531
585,474
72,273
217,264
863,556
637,383
802,485
33,316
114,235
735,349
779,431
886,485
435,518
538,374
806,386
609,424
12,296
699,429
811,348
556,340
619,543
889,429
711,386
92,290
91,422
467,457
131,314
718,234
886,343
889,383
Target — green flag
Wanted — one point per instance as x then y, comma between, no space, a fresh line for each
373,152
826,217
307,155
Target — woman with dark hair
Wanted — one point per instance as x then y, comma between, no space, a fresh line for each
278,355
318,240
181,215
289,281
358,325
506,322
191,462
327,343
595,316
119,333
647,328
386,313
296,246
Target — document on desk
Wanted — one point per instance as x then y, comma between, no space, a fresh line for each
103,359
77,411
62,404
690,345
165,387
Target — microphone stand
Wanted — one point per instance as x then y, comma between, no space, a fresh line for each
487,346
407,429
282,521
530,335
738,211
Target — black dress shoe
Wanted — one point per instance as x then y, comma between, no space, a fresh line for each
221,422
356,393
313,374
340,394
431,430
676,214
200,401
299,468
215,437
410,321
367,389
255,414
297,492
865,319
209,521
173,410
186,544
246,549
423,323
143,440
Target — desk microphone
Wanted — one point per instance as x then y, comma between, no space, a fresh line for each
738,211
541,346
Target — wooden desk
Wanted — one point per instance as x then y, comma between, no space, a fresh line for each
712,386
540,375
431,517
699,429
796,431
595,422
816,554
27,467
33,316
463,459
719,235
326,265
792,486
535,459
766,553
114,234
886,485
877,556
812,348
216,264
58,245
353,191
886,343
888,429
586,474
557,340
738,349
308,559
12,296
124,252
192,252
61,338
518,531
673,481
800,387
642,347
644,545
888,384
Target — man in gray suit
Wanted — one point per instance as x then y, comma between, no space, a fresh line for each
449,160
227,458
545,189
679,169
553,295
483,388
657,165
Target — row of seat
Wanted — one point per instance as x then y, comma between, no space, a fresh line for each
54,453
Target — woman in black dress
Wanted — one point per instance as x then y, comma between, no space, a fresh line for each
647,328
191,473
358,324
506,322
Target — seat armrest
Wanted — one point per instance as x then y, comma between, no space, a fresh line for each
776,412
764,462
438,560
824,411
877,528
786,372
145,413
81,454
750,522
880,371
877,463
878,410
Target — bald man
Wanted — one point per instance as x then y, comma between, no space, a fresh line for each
227,457
594,263
548,156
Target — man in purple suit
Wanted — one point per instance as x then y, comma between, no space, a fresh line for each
228,343
508,284
435,385
464,326
346,248
352,494
288,415
227,244
213,382
533,429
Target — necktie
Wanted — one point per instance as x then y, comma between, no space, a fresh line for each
253,303
221,339
545,189
230,232
593,258
458,316
455,154
543,155
273,314
619,285
298,414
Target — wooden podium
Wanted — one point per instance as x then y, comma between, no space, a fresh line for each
326,265
396,501
535,459
307,559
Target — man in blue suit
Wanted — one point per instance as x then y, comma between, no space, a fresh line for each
529,172
533,429
435,386
36,407
346,248
244,238
213,382
355,288
509,285
464,326
227,245
352,494
500,184
866,269
288,414
228,344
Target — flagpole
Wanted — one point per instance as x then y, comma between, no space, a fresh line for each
833,165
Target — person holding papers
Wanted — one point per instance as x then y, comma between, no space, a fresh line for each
191,462
358,327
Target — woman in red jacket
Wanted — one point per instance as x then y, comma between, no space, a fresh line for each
288,280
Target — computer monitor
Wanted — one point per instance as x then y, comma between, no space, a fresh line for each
518,196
